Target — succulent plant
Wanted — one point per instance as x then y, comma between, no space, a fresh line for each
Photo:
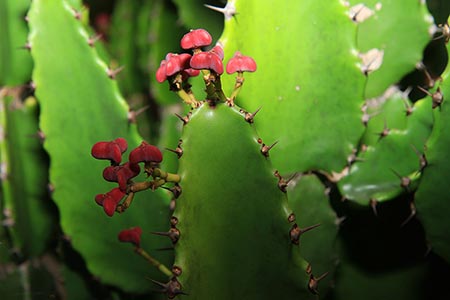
338,129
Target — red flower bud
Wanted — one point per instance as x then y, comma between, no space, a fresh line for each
121,174
110,150
161,72
207,60
195,39
177,63
110,200
218,50
241,63
132,235
145,153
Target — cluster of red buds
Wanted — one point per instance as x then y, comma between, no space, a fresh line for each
123,173
178,68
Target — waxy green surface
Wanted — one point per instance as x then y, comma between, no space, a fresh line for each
26,206
432,199
309,201
376,173
15,61
233,219
80,105
392,25
307,83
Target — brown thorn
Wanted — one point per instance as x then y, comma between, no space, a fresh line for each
313,283
296,232
373,204
422,159
185,119
385,131
92,40
176,270
291,218
178,151
173,234
76,14
113,73
250,116
283,183
132,115
27,46
176,190
405,181
265,149
411,215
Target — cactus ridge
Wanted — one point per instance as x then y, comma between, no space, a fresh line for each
232,218
74,80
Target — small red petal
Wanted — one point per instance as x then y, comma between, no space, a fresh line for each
218,50
195,39
132,235
161,72
177,63
111,200
145,153
107,150
240,63
110,174
123,145
207,60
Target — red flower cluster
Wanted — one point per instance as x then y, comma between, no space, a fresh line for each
121,173
186,65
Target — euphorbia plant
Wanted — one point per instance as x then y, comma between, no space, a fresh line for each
242,159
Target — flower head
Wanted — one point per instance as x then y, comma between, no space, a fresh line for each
121,174
110,150
145,153
132,235
110,200
207,60
196,39
240,63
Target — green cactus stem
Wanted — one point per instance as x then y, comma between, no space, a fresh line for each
80,105
233,221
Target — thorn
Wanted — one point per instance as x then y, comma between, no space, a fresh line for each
176,190
291,218
373,203
113,73
92,40
282,183
413,213
176,270
296,232
422,159
313,283
265,149
178,151
385,131
173,234
229,11
436,97
77,14
172,288
250,116
27,46
173,221
404,181
132,115
185,119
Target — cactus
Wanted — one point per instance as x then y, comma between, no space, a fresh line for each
324,129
